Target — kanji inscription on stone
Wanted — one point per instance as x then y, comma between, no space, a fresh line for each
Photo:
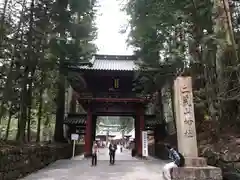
188,122
188,133
186,99
187,111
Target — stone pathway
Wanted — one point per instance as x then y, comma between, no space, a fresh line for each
126,168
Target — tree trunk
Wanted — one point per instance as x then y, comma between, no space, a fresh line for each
29,69
39,117
29,115
23,111
3,18
8,125
58,133
223,31
40,100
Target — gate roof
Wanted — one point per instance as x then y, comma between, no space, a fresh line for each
76,119
112,63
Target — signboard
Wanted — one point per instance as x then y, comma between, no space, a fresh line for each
116,83
74,137
144,144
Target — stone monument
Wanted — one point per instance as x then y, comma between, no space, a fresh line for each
195,168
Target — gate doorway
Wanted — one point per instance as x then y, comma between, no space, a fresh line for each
117,129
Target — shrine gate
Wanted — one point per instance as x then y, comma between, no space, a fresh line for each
107,89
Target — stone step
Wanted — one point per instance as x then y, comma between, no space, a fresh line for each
196,173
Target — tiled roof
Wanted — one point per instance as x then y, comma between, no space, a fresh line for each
104,133
108,125
113,63
77,119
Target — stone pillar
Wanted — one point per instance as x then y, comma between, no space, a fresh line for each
195,167
88,135
185,121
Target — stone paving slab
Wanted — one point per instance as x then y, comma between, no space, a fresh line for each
126,168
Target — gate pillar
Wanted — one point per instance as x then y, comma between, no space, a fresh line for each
137,133
94,124
140,128
88,135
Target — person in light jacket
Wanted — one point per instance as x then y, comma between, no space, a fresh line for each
94,153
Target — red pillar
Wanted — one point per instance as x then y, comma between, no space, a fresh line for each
88,135
141,126
137,133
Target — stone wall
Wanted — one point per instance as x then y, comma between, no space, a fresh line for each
16,162
229,162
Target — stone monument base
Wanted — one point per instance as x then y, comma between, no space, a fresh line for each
196,168
195,161
196,173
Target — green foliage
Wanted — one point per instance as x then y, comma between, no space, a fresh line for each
36,38
126,123
174,37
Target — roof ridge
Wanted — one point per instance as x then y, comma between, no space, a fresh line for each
115,57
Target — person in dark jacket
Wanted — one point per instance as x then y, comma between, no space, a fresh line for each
112,151
177,161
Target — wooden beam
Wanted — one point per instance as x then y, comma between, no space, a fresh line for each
113,114
83,127
116,100
82,133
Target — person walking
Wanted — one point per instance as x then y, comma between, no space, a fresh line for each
133,147
94,153
121,147
112,151
177,161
